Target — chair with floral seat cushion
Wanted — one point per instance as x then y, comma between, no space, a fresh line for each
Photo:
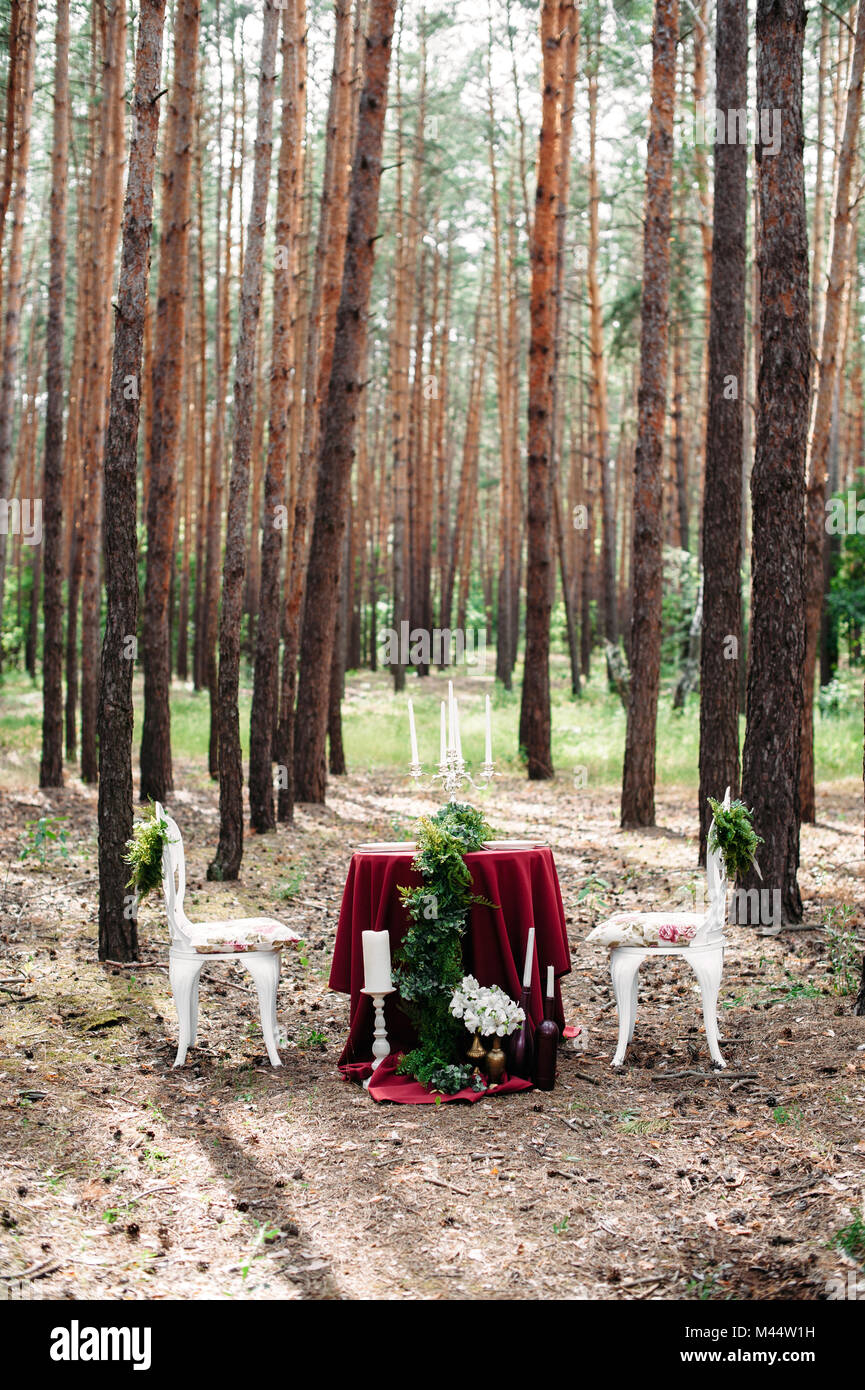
258,941
632,937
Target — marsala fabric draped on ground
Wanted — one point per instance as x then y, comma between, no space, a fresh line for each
404,1090
525,885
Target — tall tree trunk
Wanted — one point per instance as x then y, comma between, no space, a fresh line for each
320,342
262,720
216,486
185,519
721,652
337,446
818,238
569,17
770,762
226,863
118,931
398,380
507,442
606,588
15,269
104,234
301,492
170,334
828,372
12,80
51,765
535,715
638,780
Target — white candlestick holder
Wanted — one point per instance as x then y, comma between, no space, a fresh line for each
452,775
380,1046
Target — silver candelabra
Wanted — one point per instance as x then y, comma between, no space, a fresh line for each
452,772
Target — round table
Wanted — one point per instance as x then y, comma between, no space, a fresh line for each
522,881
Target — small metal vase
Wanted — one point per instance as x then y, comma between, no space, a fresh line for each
496,1061
477,1054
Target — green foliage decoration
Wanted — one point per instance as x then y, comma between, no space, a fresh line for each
429,965
144,853
732,832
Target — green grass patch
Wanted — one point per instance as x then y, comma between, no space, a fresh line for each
588,733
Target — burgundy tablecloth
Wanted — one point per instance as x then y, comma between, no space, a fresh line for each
524,884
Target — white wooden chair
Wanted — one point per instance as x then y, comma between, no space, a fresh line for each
258,941
632,937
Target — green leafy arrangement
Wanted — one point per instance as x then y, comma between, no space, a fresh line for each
732,831
429,966
144,853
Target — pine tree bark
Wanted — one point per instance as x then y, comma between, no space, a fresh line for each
216,487
337,446
638,780
167,394
11,106
770,763
118,932
828,375
722,495
15,269
607,580
51,765
107,173
818,239
398,381
506,439
226,863
262,815
569,18
535,715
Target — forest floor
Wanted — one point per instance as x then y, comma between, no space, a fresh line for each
123,1178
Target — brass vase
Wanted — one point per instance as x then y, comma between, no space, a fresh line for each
495,1062
477,1053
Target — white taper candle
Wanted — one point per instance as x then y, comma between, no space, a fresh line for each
489,749
443,743
413,733
551,982
527,968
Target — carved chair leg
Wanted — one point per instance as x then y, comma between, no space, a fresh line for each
633,1004
263,966
708,969
623,970
183,973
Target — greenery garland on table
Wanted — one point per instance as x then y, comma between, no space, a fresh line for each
732,832
429,965
144,853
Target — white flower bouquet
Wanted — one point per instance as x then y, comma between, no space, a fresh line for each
485,1009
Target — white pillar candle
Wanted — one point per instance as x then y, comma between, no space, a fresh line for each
551,982
413,733
443,743
451,740
489,750
376,961
527,968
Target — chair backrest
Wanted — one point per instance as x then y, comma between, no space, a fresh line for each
716,883
174,880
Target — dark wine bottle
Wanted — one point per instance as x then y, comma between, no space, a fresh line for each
521,1053
547,1040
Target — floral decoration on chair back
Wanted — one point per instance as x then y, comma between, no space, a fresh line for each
174,881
